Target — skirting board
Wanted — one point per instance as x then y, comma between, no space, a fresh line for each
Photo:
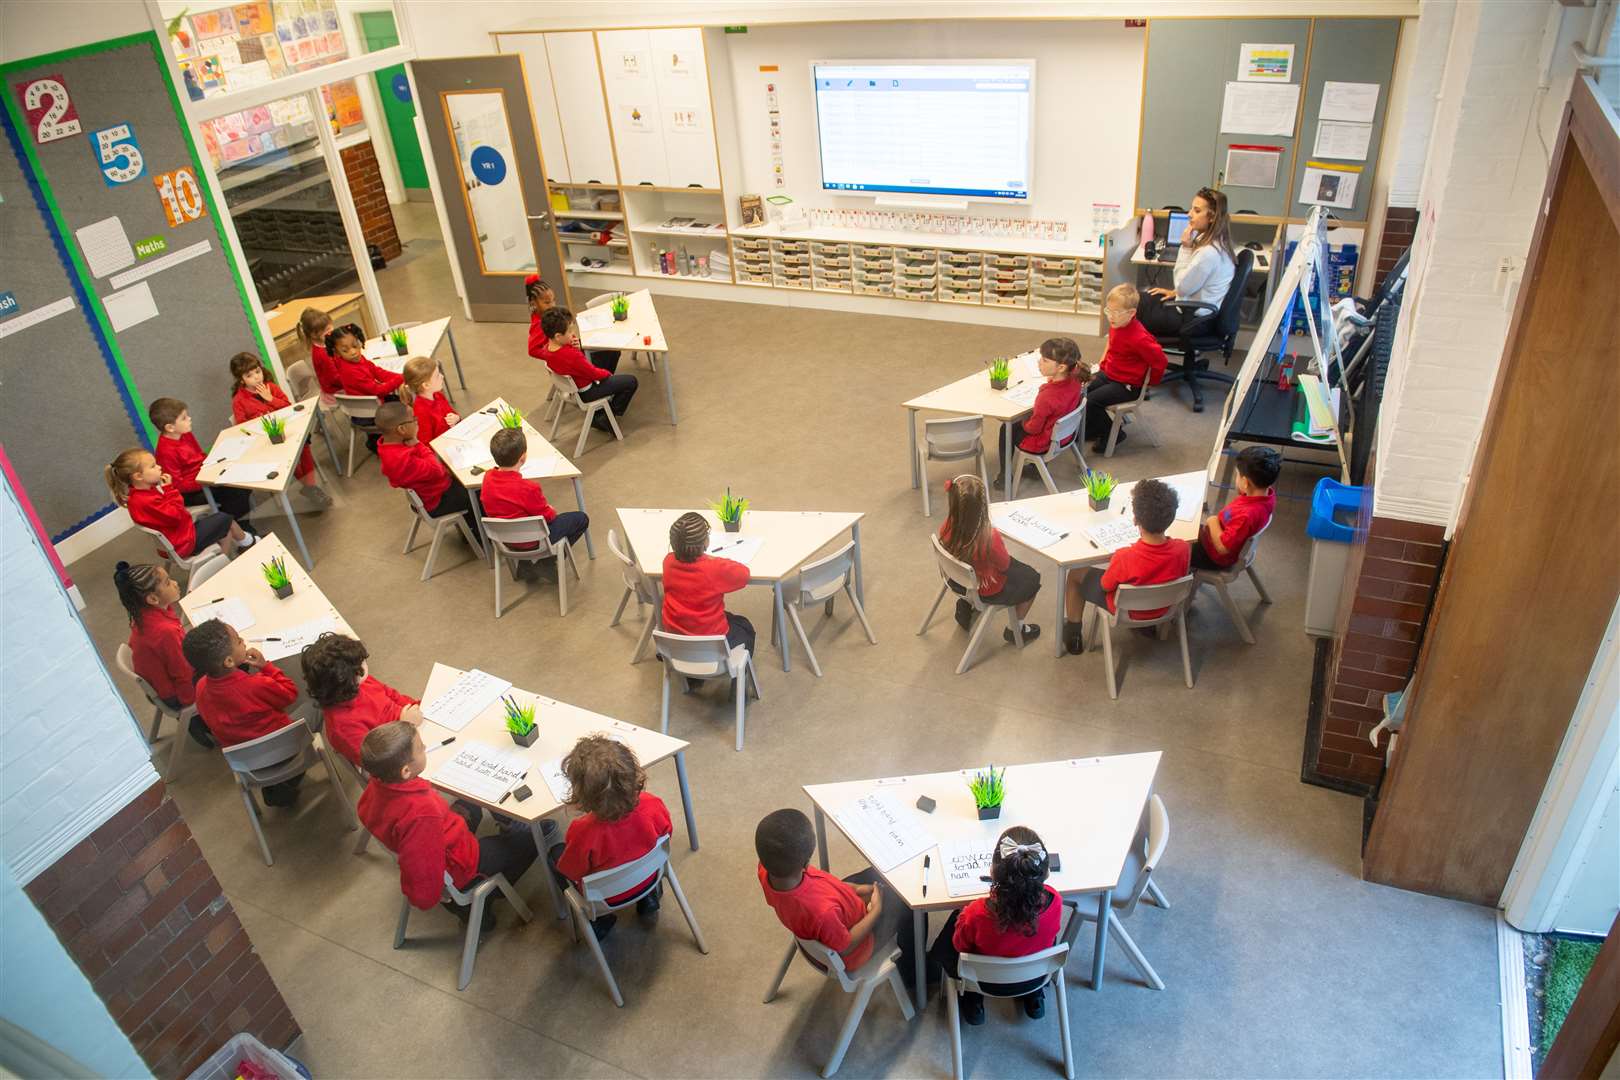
103,530
1516,1063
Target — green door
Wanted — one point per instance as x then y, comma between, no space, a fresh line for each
394,90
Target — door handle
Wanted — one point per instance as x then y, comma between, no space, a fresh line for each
543,219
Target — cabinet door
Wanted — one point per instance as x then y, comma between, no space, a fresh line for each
682,79
577,84
547,121
632,95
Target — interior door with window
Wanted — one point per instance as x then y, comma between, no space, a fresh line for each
487,163
399,110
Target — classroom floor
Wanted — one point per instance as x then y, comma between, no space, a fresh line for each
1279,960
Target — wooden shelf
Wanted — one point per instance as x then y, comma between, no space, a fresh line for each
586,186
682,190
659,230
586,241
589,215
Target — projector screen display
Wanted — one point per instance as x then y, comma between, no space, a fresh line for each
955,128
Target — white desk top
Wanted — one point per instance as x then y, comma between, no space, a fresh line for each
597,330
244,580
299,416
1085,809
971,394
422,339
561,726
559,469
791,537
1072,511
996,245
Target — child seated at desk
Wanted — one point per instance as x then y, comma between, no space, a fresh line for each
1152,560
1022,915
968,536
1132,357
696,583
1058,397
562,355
429,837
180,455
357,376
621,822
140,485
507,494
1223,534
541,300
352,701
848,916
254,396
149,594
313,326
413,465
241,695
424,392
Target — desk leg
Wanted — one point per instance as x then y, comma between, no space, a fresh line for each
208,493
1008,452
1057,620
1105,900
782,640
919,947
686,798
557,902
478,516
669,387
911,432
860,582
579,498
298,534
821,838
450,335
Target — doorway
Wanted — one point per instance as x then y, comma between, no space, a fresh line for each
378,31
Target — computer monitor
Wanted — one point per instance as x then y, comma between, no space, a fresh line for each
1177,225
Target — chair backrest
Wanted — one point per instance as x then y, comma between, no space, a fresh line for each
565,385
1168,594
831,964
696,656
823,578
623,878
206,570
953,568
646,588
1226,319
504,532
358,406
976,970
1152,837
167,548
1246,552
418,509
126,664
271,749
954,437
1068,428
301,379
598,301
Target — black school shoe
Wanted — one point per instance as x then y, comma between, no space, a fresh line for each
1031,632
647,907
463,912
604,926
1035,1004
971,1008
1073,637
964,614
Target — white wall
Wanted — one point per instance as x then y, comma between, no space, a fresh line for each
31,27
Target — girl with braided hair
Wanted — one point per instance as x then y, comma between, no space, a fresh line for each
149,594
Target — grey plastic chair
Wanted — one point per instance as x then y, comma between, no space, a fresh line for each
1137,884
953,569
187,563
707,657
420,517
1171,595
475,898
877,970
206,570
1221,579
160,709
281,755
303,382
820,582
647,592
974,971
1129,412
361,409
503,533
1067,434
619,879
564,392
955,439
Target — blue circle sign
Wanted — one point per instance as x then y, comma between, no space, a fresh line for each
488,166
402,87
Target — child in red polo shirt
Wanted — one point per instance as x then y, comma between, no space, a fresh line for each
541,300
695,585
429,837
560,350
313,326
254,396
621,822
1058,397
1022,915
1152,560
241,695
352,701
1133,356
968,535
140,485
149,594
358,375
507,494
1221,539
413,465
424,393
180,455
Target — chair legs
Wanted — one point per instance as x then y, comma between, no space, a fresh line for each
1231,607
410,537
1116,930
951,991
781,971
804,639
352,433
1186,658
1061,989
181,734
618,612
686,909
1159,899
469,943
1254,579
979,626
583,930
326,436
740,691
852,1020
404,917
253,819
928,618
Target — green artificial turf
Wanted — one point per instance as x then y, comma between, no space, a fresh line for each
1571,960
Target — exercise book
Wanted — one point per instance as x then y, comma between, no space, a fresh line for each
596,318
967,863
1113,535
741,549
1028,528
231,610
465,455
538,467
885,831
1023,394
1189,497
476,426
228,447
482,771
290,640
471,693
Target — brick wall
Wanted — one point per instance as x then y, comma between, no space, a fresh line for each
371,198
141,913
1400,227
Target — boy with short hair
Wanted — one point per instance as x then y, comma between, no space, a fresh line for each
1223,534
180,455
696,583
846,915
1132,357
241,696
562,354
413,465
429,837
508,494
352,701
1152,560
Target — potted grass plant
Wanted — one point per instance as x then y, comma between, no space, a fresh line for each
275,575
510,417
1000,372
520,723
1099,486
275,428
988,792
396,338
620,306
730,511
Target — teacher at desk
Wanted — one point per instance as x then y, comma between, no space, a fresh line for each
1203,273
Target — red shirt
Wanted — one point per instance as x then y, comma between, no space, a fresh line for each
1055,401
594,844
1240,519
347,724
1146,564
507,494
163,509
430,416
154,642
180,458
326,369
571,362
990,560
429,838
246,405
417,467
240,706
360,376
821,908
694,593
977,931
1133,354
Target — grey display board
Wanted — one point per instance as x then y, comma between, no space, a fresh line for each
1346,50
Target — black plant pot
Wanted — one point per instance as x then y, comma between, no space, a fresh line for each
998,384
989,813
620,316
1098,504
278,439
283,591
526,740
732,526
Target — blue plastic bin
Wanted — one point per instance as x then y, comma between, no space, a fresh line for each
1335,509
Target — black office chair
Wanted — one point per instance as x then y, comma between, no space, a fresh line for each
1215,331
